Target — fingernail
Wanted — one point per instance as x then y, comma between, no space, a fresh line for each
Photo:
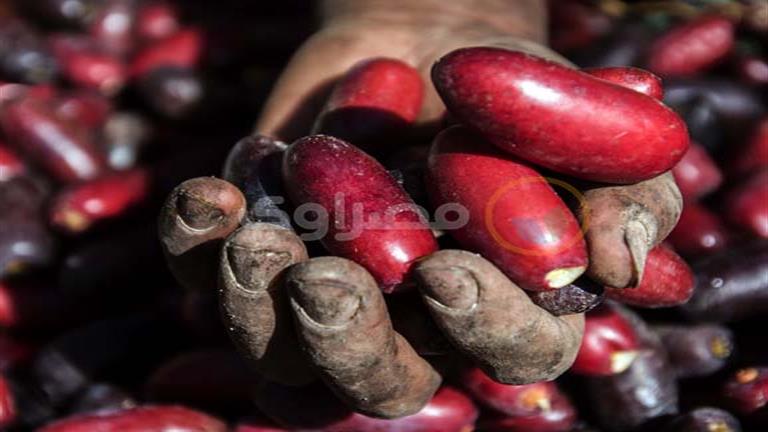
197,213
639,242
452,287
328,303
254,269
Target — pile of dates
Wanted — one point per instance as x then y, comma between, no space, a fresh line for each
630,187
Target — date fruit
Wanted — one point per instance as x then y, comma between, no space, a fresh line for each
696,350
692,47
667,281
696,174
368,216
373,103
698,232
609,346
63,150
161,418
639,80
746,205
78,207
560,118
539,407
515,218
731,284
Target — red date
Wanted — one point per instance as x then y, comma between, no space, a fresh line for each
699,231
85,64
636,79
609,346
80,206
747,205
560,118
141,419
692,47
64,151
696,174
372,103
10,164
182,49
515,218
754,156
88,109
539,407
747,390
371,220
448,411
667,281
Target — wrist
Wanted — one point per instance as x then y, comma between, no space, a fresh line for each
523,18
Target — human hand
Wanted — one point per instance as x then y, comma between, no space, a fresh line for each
278,303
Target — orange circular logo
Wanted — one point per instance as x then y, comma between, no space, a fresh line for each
491,205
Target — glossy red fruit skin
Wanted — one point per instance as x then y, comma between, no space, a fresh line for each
754,156
167,418
516,219
78,207
667,281
747,390
10,164
63,151
692,47
697,174
381,83
156,20
317,169
375,100
560,118
448,411
699,231
182,49
747,205
606,333
555,420
88,109
639,80
87,65
539,407
7,404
